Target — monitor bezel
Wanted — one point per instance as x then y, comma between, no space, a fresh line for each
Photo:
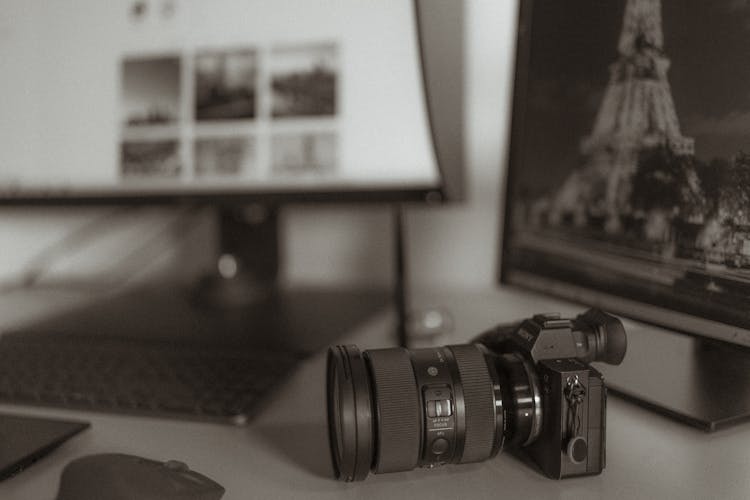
693,325
399,193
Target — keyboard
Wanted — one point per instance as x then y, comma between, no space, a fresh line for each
131,376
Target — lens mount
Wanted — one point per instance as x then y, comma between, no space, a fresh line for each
535,402
350,415
523,398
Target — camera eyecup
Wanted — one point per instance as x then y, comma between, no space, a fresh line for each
610,340
350,415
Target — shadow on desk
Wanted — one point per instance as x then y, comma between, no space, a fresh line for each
305,445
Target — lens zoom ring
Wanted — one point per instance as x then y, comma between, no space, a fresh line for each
397,402
479,402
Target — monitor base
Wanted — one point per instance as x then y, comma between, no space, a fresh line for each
704,383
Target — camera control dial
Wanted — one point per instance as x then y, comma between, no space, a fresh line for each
577,450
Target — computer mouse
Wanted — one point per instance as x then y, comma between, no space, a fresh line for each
114,476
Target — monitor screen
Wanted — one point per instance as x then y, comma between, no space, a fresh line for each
143,98
629,172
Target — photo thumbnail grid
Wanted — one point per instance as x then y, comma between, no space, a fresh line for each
220,114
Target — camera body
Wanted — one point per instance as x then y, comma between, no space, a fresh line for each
526,386
571,440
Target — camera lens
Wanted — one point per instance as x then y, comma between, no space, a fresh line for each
392,410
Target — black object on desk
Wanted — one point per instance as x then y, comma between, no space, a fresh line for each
702,382
121,477
153,351
24,440
156,378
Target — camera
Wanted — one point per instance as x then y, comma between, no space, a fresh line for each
526,386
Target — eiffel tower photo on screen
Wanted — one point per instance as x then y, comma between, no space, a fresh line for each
636,151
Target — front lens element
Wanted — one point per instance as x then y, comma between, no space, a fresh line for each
349,413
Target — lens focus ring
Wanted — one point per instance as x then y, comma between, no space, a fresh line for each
479,402
399,416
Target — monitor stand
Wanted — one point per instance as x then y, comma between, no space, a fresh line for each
702,382
247,258
242,303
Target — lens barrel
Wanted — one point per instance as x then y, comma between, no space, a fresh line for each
398,424
392,410
476,382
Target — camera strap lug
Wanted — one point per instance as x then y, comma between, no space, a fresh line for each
575,394
577,446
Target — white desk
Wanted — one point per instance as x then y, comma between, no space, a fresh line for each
284,452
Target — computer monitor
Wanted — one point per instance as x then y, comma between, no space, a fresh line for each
628,188
230,103
189,99
242,106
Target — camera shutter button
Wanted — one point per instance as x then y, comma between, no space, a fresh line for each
577,450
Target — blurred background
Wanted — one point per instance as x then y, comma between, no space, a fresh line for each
452,245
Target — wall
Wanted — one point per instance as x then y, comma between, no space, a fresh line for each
457,245
448,246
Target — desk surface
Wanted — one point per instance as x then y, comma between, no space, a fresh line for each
284,452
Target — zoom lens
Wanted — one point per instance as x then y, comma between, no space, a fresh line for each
392,410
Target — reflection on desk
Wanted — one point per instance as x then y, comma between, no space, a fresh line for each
284,452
